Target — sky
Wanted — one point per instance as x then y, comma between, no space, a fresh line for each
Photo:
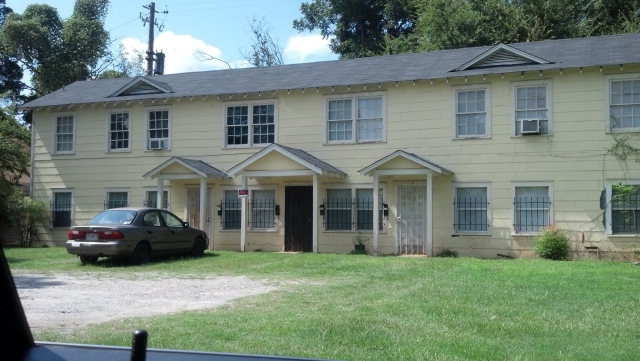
220,28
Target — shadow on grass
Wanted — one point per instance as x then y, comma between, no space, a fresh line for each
106,262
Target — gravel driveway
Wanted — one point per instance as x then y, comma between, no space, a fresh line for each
71,301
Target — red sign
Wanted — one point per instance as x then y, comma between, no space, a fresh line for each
243,193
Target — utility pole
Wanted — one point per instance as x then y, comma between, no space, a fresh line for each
151,19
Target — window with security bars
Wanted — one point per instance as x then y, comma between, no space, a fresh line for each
119,131
471,210
61,209
151,199
263,206
250,124
345,212
230,211
64,134
625,208
532,209
116,199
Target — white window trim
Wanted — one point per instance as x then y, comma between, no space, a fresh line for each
108,137
486,185
250,104
354,97
114,190
354,191
547,184
224,190
73,197
549,93
607,101
146,136
487,109
146,191
608,210
55,133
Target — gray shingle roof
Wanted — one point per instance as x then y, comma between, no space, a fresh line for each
561,54
200,167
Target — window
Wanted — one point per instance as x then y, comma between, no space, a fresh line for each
471,113
248,125
230,210
471,207
532,109
351,209
624,209
263,207
61,209
532,208
158,130
355,119
115,199
64,137
118,131
171,221
151,199
624,105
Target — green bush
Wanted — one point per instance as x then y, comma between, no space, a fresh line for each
552,244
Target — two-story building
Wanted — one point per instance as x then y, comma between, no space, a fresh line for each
474,150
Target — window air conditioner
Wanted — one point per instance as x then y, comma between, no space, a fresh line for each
157,144
529,126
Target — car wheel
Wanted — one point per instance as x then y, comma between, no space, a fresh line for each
198,248
88,259
142,254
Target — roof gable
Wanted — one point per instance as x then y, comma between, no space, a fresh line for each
141,86
502,55
198,167
401,160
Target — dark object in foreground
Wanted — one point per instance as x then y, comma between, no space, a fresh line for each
17,344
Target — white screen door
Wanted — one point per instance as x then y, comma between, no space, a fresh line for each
193,210
412,219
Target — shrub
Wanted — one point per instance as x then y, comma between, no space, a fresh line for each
447,253
552,244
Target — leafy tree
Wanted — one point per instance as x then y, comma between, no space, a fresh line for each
57,52
15,141
264,51
10,71
358,28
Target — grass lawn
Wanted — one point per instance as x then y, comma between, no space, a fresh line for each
388,308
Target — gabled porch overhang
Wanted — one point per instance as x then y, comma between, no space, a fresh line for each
179,168
401,163
279,161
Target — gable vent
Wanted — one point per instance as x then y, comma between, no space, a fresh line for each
502,58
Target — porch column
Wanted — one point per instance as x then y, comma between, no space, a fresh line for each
376,206
243,215
429,214
203,203
314,222
159,192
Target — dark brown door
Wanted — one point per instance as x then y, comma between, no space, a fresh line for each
298,219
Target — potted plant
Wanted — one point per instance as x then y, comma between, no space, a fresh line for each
359,243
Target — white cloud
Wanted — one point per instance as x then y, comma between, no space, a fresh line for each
307,48
181,52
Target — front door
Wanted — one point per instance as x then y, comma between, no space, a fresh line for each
412,219
193,211
298,219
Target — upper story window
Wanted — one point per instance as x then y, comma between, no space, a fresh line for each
119,131
64,134
532,108
472,118
158,130
471,206
250,124
624,104
356,119
532,208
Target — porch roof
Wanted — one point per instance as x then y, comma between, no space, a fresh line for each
199,167
401,162
310,164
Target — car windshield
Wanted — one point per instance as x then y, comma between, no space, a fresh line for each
114,217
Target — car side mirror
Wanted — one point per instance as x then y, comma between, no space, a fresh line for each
185,224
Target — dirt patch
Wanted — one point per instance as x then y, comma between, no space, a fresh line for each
67,302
